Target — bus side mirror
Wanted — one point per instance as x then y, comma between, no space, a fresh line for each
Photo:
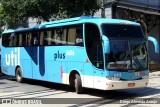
155,42
106,44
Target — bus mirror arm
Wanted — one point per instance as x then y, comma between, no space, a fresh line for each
106,45
155,42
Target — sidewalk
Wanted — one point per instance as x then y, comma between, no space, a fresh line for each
154,74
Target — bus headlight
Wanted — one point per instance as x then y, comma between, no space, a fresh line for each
113,78
145,77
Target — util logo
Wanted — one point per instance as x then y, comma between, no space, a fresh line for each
13,59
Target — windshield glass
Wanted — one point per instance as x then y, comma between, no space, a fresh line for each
127,55
127,48
122,31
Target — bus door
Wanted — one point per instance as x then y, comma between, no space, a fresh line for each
95,54
98,64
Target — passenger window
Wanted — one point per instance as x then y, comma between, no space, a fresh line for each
11,39
64,36
58,36
15,42
6,39
49,37
20,40
79,35
72,36
29,39
41,38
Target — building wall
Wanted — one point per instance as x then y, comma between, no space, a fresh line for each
32,22
108,13
154,32
154,3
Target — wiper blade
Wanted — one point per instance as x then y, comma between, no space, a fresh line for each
136,60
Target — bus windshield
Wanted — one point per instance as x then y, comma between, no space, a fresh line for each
127,48
122,31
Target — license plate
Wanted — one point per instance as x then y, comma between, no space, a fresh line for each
131,84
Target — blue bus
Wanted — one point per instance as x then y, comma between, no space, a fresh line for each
99,53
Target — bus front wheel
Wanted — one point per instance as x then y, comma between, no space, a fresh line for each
78,84
19,75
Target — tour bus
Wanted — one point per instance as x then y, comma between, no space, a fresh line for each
99,53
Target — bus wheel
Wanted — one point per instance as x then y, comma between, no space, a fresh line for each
19,75
78,84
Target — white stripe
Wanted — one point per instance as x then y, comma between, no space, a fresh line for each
105,84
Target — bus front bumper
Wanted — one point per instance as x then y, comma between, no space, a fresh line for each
114,85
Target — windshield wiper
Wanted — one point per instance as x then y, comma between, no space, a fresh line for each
136,60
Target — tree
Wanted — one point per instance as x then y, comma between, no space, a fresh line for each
74,8
15,12
10,12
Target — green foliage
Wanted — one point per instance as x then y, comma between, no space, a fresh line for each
74,8
10,12
14,12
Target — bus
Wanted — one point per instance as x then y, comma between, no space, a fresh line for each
99,53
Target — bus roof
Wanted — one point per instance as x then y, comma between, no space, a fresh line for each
72,21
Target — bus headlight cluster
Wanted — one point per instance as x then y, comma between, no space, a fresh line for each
113,78
145,77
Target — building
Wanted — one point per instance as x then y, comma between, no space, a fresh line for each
145,12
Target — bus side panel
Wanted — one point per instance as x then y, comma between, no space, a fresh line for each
64,73
76,66
8,70
26,62
88,75
39,63
54,70
54,56
26,67
9,60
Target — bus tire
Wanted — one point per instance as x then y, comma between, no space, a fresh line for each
19,75
78,84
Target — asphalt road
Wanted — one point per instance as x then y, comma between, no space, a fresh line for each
64,95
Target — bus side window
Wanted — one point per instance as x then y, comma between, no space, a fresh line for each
11,39
49,37
71,35
58,36
20,40
6,40
15,42
41,38
64,35
24,40
54,37
45,41
35,41
79,35
29,39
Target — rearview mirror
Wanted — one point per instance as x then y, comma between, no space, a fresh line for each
155,42
106,44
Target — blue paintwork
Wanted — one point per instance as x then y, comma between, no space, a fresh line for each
42,60
155,42
47,63
106,44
